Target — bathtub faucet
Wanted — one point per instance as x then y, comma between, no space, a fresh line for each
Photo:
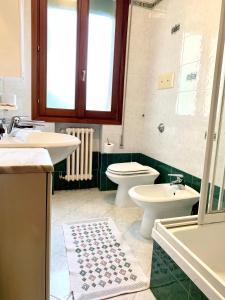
179,182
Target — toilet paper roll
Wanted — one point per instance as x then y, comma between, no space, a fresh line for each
108,148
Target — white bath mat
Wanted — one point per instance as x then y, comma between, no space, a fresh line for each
101,264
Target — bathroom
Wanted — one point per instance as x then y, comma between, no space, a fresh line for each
164,82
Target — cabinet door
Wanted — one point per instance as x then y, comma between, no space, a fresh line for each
23,233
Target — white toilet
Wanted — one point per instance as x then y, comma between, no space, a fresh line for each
127,175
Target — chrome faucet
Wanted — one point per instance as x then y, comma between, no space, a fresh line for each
19,122
179,182
14,122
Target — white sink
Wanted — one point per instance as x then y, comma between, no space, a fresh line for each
58,145
162,201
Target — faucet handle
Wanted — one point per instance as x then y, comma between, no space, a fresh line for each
179,178
176,175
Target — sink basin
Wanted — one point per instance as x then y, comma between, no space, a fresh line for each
58,145
162,201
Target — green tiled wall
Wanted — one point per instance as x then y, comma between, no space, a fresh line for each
100,180
163,169
216,196
168,281
102,161
61,184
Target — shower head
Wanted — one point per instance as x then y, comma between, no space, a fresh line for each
146,4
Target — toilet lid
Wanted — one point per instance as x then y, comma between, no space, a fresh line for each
128,168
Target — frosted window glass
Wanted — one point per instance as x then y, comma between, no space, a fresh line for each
61,59
101,38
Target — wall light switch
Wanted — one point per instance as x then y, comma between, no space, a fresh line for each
166,80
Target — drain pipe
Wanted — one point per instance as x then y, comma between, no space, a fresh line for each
126,75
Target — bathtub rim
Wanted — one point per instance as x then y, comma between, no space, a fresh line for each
205,278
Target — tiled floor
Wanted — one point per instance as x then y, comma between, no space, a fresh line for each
69,206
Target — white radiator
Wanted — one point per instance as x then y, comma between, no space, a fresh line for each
79,163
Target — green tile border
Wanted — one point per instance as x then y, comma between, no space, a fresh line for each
165,169
168,280
101,161
61,184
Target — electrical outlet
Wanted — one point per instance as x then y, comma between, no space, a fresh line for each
166,80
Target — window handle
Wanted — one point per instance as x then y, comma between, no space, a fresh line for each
83,75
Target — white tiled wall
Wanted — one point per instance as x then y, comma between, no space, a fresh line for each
21,86
137,85
183,109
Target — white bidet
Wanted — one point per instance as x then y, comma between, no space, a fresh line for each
162,201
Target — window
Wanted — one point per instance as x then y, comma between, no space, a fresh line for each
78,60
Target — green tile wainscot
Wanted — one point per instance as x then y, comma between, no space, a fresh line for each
102,161
168,281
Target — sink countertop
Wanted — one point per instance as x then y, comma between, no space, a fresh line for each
24,160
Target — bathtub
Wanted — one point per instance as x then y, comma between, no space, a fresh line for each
198,250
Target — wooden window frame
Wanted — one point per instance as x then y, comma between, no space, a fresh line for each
39,67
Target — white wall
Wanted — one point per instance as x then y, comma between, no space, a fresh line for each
21,86
137,86
183,109
10,37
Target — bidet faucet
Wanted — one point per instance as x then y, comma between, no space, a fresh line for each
179,182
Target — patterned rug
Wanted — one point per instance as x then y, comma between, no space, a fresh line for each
100,262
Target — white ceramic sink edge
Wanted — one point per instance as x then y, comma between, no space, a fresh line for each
59,145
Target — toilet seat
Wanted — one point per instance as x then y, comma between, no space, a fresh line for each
128,175
131,168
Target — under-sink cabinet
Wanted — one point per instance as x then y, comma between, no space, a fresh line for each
25,195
